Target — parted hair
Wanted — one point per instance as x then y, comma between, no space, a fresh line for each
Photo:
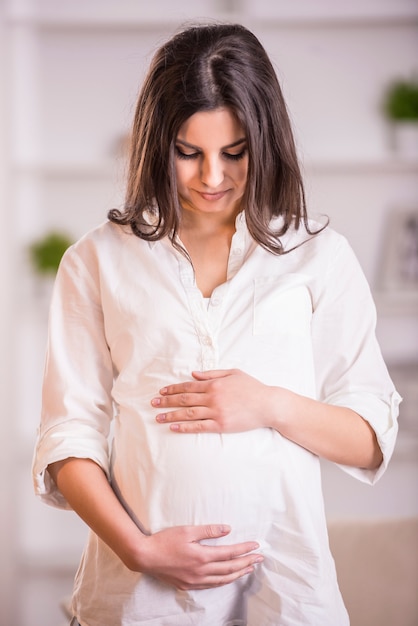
203,68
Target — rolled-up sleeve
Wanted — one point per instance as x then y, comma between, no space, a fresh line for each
76,398
349,365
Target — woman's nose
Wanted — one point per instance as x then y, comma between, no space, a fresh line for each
212,173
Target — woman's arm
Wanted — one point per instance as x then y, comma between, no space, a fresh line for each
174,556
335,433
232,401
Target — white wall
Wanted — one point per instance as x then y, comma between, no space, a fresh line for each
8,537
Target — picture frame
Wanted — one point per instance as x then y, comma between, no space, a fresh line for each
399,257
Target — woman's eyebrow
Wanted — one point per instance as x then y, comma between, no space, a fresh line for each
228,147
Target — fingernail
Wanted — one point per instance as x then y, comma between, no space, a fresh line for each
175,427
161,418
155,401
259,559
163,391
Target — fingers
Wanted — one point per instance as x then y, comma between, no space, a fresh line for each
188,421
195,427
216,531
180,557
189,414
225,564
224,574
187,387
239,552
221,564
181,399
211,374
199,406
190,393
194,386
193,419
212,531
194,407
232,568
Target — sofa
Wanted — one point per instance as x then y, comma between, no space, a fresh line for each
377,568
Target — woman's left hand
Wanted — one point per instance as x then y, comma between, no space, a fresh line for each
217,401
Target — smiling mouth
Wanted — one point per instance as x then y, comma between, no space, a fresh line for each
212,197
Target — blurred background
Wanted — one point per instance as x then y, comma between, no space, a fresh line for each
69,76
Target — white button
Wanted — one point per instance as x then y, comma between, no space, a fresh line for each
215,301
207,341
237,251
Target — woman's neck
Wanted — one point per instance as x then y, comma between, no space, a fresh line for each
209,225
208,242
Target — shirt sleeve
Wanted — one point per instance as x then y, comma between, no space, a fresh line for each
76,398
349,365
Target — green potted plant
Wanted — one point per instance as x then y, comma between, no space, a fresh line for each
401,110
46,252
45,255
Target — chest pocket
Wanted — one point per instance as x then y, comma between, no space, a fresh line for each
282,305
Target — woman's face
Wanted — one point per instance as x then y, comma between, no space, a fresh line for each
211,163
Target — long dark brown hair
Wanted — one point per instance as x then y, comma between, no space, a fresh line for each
203,68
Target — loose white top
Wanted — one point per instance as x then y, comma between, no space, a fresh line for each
127,319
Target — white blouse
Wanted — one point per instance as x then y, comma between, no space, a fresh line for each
127,319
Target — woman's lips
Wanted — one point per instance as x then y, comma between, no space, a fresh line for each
212,197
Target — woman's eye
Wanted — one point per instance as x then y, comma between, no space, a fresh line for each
184,155
235,157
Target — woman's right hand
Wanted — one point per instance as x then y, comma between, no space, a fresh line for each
175,556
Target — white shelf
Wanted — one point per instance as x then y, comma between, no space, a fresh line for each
41,563
377,165
406,448
396,303
93,170
134,15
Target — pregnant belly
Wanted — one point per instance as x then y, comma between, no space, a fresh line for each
167,479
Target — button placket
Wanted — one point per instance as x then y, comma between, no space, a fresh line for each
236,254
201,318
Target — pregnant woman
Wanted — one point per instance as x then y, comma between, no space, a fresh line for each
207,345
